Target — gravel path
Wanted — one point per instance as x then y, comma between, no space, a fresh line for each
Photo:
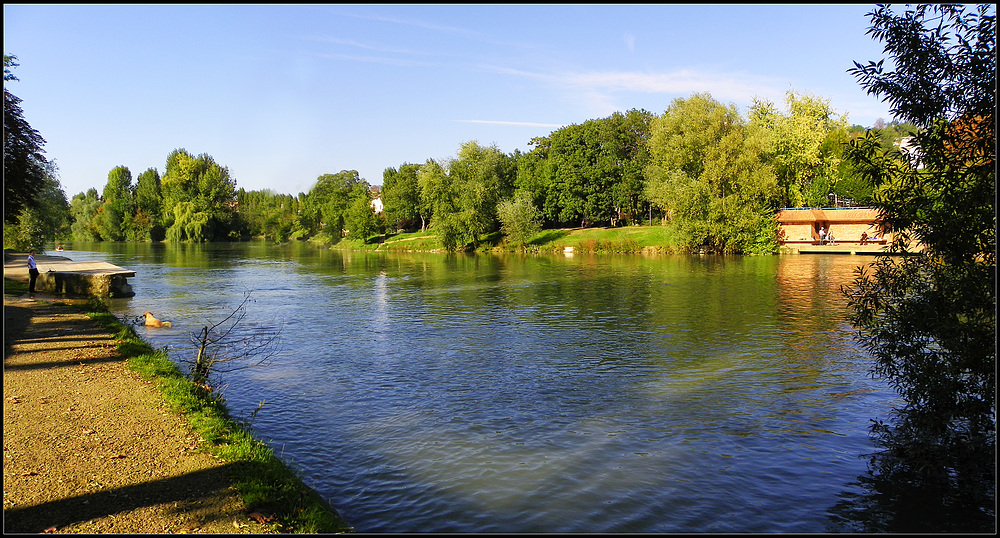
89,447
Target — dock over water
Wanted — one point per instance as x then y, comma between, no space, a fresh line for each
62,276
846,248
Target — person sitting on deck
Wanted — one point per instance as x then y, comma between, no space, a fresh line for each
829,238
864,238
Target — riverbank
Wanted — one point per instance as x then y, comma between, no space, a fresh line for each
103,435
590,240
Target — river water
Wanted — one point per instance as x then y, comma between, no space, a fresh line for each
423,392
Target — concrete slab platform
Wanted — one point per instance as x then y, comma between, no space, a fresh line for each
63,276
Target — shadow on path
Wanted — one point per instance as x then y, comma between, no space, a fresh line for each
73,510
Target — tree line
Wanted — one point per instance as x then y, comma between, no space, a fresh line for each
928,321
712,175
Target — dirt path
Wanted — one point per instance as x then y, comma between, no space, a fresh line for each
89,447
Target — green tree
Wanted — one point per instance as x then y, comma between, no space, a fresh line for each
625,155
360,217
24,166
146,223
592,172
437,202
267,214
83,212
799,148
48,219
401,197
200,193
328,201
929,320
481,177
708,172
117,206
519,218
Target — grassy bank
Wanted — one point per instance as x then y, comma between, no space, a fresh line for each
618,240
264,482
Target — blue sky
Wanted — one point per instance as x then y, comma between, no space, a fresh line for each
281,94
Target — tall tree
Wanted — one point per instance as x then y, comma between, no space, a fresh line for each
359,216
146,223
24,169
437,201
48,219
199,198
329,199
797,143
929,320
708,172
481,177
519,218
117,206
83,210
401,197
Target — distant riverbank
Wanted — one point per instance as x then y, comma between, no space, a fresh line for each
616,240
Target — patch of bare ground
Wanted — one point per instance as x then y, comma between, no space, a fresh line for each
89,447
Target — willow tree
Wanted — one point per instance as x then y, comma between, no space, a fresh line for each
481,177
199,198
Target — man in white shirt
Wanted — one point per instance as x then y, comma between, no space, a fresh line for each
32,274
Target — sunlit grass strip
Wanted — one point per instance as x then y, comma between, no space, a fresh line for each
262,480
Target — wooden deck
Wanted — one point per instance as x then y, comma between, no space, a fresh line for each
61,275
842,248
851,248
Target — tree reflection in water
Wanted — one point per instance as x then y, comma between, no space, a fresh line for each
891,497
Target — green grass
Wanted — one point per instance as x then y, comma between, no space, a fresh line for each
13,288
264,482
619,240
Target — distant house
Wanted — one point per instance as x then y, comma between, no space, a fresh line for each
910,150
376,193
801,226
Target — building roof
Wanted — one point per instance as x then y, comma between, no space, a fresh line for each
832,215
800,216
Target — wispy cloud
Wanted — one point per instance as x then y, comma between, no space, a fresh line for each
720,85
629,41
606,91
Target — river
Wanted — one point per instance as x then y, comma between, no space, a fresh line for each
424,392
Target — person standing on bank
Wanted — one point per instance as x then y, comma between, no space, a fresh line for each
32,274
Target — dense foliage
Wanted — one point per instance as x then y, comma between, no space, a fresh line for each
35,208
929,320
710,176
23,163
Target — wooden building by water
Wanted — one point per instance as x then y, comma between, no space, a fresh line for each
854,229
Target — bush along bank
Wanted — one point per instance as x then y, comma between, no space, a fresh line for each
263,481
